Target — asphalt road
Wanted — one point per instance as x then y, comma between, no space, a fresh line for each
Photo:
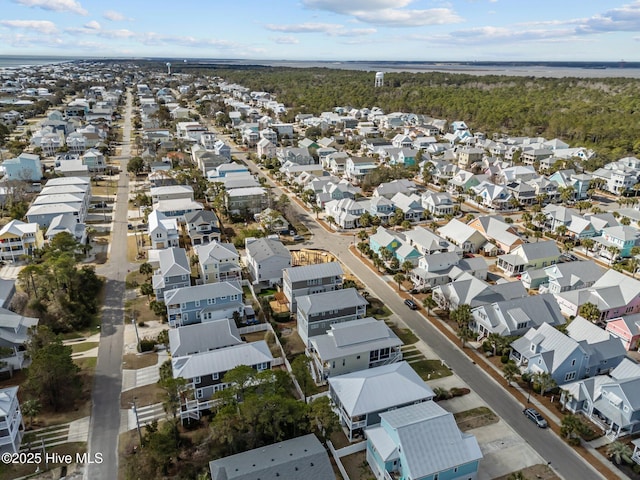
554,450
105,413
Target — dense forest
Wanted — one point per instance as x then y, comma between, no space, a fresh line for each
599,113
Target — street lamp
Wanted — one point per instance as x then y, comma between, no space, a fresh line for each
135,327
135,413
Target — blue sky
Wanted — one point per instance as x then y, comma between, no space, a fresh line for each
325,29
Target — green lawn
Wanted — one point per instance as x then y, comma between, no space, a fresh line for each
404,334
430,369
83,346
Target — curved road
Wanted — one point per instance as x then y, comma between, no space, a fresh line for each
105,413
562,458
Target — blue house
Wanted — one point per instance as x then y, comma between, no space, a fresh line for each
25,166
203,303
385,238
421,442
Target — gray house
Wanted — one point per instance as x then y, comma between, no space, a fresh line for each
301,458
173,272
310,279
203,303
317,312
352,346
203,337
266,259
203,226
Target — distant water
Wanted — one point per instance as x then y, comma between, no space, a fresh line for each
16,61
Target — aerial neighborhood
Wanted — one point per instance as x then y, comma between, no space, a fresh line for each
313,293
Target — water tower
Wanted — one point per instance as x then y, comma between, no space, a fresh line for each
168,68
379,79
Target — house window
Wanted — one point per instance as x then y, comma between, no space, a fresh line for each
215,376
573,362
197,303
199,393
184,277
197,380
569,376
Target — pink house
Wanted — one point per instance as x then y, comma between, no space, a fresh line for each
626,329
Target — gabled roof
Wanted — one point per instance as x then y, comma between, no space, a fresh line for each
379,388
301,458
335,299
202,292
6,399
221,360
319,270
173,261
203,337
216,250
430,439
264,248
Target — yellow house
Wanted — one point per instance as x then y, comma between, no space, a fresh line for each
19,238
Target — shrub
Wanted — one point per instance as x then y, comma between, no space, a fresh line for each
486,346
504,358
459,392
142,324
147,345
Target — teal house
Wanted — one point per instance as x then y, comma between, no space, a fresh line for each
421,442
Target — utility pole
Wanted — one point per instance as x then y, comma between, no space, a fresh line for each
133,321
135,412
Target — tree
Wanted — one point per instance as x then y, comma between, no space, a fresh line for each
620,452
330,220
572,427
561,230
323,417
465,334
399,278
567,193
30,409
545,381
407,266
510,371
613,253
146,289
588,244
461,315
239,379
300,369
135,165
429,303
52,376
590,311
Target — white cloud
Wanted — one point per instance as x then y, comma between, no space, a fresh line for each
92,25
408,18
286,40
331,29
42,26
55,5
114,16
386,12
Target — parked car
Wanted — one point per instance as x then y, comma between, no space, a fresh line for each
533,415
411,304
130,226
297,238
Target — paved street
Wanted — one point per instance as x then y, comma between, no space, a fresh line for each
105,413
561,457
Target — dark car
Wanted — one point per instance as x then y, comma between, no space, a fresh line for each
411,304
533,415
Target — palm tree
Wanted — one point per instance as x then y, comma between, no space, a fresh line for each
614,251
590,311
406,266
620,452
399,278
331,220
146,269
545,381
465,334
30,409
572,427
510,371
567,193
632,265
461,315
588,244
429,303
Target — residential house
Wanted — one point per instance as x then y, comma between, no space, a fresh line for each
421,441
529,256
492,196
310,279
202,226
301,458
517,316
316,312
173,271
467,238
203,337
11,423
205,371
162,231
266,148
547,350
617,241
563,277
465,180
345,213
609,401
19,238
627,329
558,215
202,303
440,268
379,207
94,160
469,289
438,203
246,201
218,262
468,155
497,231
171,192
614,293
428,243
360,397
352,346
389,189
356,168
15,332
266,259
178,207
25,167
